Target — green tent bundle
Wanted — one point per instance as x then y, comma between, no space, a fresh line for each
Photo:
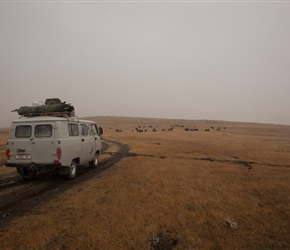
53,106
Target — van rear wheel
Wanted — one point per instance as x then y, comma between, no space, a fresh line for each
94,162
28,175
72,171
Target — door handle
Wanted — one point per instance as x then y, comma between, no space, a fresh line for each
83,139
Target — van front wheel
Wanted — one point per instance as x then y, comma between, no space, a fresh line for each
94,162
72,171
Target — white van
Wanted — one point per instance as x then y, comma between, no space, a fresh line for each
43,143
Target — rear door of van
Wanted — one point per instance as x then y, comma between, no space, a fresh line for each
19,143
43,143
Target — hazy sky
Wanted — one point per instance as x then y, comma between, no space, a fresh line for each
186,60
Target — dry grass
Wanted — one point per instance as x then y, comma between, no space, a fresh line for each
225,189
3,140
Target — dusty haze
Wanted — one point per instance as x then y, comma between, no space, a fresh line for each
183,60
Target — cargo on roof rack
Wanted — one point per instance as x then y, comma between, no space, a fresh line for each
52,107
51,101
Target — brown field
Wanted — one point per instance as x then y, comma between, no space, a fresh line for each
226,189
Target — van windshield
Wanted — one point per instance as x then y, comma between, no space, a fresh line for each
23,131
44,130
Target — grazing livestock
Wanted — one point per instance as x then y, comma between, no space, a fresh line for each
190,129
118,130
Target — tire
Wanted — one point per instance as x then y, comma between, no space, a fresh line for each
72,171
29,175
94,162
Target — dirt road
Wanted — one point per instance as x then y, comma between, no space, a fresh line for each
18,196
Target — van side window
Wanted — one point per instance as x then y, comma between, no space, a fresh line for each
90,130
43,130
94,128
73,129
84,129
23,131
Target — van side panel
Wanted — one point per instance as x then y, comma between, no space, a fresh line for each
70,145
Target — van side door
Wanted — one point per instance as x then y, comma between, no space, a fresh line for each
97,138
87,144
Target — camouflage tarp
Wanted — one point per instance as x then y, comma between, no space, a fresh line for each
55,107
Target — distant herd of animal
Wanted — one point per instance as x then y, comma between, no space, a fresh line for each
142,129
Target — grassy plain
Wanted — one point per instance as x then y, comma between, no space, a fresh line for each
223,189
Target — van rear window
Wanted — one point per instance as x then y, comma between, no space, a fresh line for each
73,129
23,131
43,130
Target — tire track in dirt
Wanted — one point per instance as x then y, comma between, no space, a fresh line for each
19,197
247,164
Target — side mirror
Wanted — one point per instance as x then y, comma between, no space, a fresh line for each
100,130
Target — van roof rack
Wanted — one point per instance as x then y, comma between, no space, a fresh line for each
54,114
